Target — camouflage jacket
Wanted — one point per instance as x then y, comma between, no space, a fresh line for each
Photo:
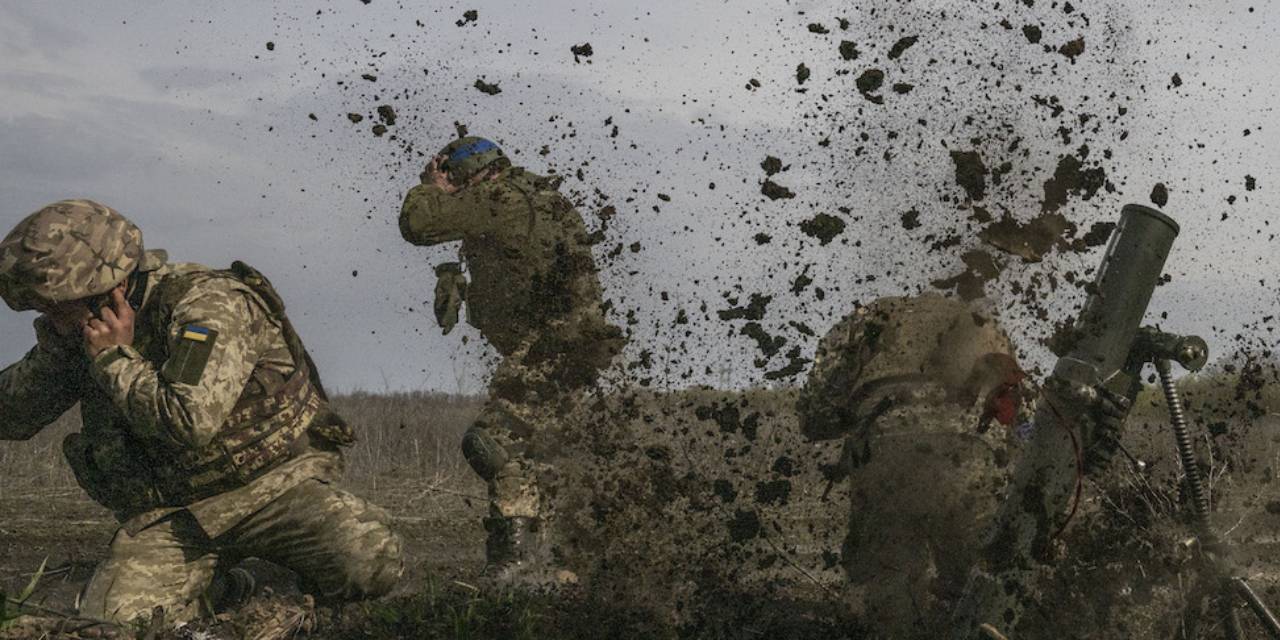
159,396
527,250
884,354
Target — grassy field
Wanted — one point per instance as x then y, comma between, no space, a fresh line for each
691,514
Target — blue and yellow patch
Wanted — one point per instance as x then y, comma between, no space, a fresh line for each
195,332
189,354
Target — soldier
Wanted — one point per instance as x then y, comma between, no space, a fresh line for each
205,427
922,389
535,296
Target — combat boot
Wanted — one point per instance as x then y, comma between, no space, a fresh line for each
231,590
512,547
517,555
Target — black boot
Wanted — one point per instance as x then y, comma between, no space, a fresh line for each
231,590
512,548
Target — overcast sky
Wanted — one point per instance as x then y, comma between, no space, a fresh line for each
178,115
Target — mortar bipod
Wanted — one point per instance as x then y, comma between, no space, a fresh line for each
1191,352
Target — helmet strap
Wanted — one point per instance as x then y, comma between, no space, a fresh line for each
136,288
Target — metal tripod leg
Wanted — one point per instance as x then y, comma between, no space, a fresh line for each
1233,587
1268,620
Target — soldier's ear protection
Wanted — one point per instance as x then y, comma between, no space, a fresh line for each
97,303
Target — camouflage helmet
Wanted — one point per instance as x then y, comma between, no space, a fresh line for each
468,156
66,251
924,338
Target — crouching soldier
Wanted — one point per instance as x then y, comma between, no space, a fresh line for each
205,427
534,294
923,389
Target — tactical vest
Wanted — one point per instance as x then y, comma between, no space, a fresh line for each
268,425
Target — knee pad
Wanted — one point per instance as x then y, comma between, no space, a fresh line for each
388,567
483,453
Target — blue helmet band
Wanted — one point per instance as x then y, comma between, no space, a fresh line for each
466,151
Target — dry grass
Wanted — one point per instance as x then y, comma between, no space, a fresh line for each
37,464
408,435
672,459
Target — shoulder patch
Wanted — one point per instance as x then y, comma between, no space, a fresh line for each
190,355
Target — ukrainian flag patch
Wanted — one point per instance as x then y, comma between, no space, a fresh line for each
189,354
196,332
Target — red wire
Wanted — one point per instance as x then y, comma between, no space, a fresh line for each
1075,445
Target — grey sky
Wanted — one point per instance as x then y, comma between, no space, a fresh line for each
177,114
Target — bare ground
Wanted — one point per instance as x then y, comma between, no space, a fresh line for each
710,520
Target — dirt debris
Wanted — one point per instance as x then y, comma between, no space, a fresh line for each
900,47
580,51
802,73
775,191
487,88
1160,195
1073,178
971,173
387,114
869,82
848,50
1073,49
824,226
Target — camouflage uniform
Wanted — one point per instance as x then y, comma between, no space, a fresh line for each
209,436
535,296
917,386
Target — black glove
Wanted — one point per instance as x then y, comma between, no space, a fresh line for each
1096,413
1102,427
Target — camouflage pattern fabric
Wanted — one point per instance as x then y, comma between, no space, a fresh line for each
339,545
526,249
535,296
140,412
898,338
129,403
910,382
529,391
66,251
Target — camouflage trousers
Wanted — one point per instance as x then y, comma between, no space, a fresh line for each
923,486
339,545
519,425
531,393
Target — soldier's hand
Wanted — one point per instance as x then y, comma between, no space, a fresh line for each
1096,411
113,327
437,177
1105,424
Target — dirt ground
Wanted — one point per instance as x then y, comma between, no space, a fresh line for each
712,519
437,503
440,524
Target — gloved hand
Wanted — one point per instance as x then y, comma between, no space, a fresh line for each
451,292
1098,415
1103,427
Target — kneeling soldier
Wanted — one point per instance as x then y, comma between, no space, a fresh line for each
205,427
